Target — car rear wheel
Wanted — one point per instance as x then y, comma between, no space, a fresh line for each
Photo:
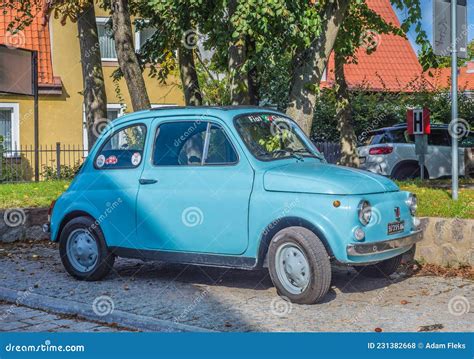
299,265
408,171
382,269
83,250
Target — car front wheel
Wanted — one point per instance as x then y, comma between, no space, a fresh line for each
299,265
83,250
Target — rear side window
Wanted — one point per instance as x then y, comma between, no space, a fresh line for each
390,136
467,141
439,138
124,149
192,144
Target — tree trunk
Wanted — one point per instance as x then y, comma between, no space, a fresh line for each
252,76
239,85
310,64
95,99
127,58
347,139
189,78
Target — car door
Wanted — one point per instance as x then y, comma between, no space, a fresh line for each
195,190
438,159
112,184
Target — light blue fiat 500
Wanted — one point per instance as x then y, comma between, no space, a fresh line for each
239,187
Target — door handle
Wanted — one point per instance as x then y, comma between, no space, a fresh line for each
147,181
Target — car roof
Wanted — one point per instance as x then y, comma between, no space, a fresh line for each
227,113
404,126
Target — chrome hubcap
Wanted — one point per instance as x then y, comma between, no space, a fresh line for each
292,268
82,250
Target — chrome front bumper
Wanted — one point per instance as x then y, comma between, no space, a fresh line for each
367,249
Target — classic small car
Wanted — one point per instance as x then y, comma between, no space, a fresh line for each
239,187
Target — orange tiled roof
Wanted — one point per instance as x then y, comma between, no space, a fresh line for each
393,66
442,77
33,37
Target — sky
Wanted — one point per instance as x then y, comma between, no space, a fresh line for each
427,19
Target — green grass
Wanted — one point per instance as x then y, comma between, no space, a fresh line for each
30,194
434,197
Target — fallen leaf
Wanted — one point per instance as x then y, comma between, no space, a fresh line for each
430,328
378,330
404,302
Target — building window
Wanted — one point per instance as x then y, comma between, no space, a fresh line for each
106,41
10,126
142,36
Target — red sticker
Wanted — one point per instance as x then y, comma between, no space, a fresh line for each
111,160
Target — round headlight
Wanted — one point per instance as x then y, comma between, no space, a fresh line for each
365,212
412,203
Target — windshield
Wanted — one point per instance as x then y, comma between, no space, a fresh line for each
270,137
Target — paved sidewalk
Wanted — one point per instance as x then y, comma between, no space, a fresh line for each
15,318
170,296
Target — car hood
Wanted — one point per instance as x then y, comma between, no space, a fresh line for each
313,177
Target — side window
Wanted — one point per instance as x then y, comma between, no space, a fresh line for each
124,149
192,144
179,143
439,138
467,141
220,150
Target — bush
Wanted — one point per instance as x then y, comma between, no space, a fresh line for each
66,172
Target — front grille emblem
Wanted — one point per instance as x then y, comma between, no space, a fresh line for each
397,213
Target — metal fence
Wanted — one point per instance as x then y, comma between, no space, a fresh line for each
330,150
57,161
61,161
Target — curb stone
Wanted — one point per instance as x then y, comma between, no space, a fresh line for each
84,311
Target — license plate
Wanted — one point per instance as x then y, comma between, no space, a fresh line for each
396,227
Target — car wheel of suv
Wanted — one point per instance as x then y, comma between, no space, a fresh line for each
382,269
408,171
83,250
299,265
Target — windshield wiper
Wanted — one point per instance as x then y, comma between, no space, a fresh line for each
290,152
305,151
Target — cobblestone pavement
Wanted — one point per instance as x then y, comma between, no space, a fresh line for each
15,318
237,300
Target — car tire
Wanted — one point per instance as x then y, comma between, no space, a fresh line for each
83,250
408,171
382,269
299,265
